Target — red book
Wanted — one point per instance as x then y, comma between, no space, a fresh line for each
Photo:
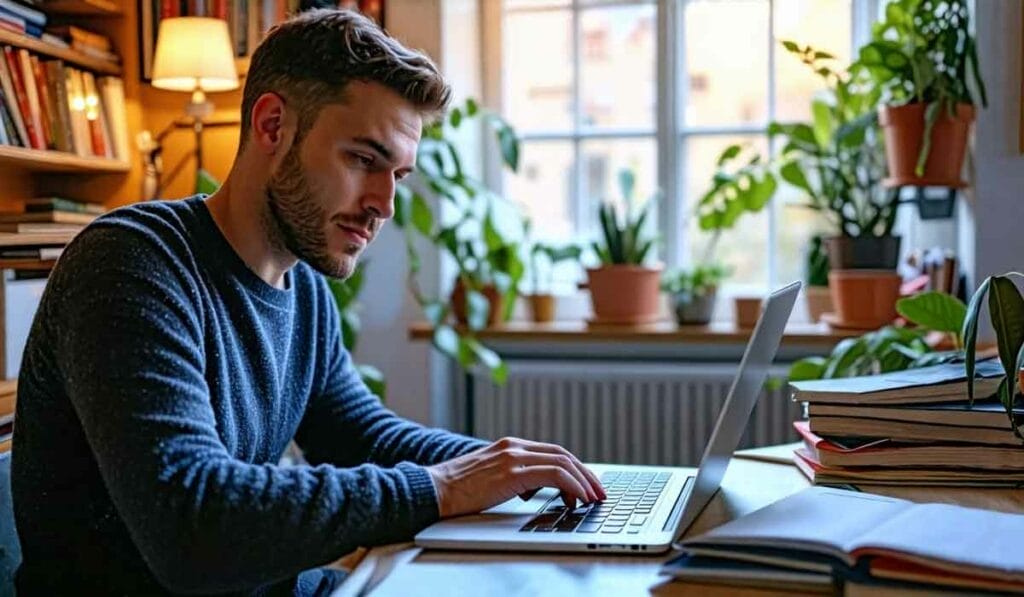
46,115
34,140
219,9
169,9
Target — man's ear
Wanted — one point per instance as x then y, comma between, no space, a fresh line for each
268,127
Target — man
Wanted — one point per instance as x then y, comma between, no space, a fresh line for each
180,346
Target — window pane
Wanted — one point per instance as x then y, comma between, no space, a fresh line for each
617,57
823,24
795,227
543,187
538,69
744,248
727,61
602,160
534,4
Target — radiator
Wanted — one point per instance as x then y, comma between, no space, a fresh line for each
631,413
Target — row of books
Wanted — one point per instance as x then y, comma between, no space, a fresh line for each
45,104
8,400
39,234
912,427
23,19
19,18
249,20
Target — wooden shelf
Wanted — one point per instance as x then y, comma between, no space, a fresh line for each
90,8
57,161
67,55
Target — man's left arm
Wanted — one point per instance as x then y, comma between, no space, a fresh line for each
346,425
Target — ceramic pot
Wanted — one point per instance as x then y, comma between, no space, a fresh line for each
747,310
490,292
903,127
542,307
867,252
819,301
694,309
626,294
864,299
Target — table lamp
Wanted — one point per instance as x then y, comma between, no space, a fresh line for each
194,54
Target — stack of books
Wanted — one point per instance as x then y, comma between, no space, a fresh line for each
41,231
8,399
912,427
21,19
82,40
45,104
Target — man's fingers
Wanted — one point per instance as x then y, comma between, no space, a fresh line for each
528,458
592,480
553,476
527,496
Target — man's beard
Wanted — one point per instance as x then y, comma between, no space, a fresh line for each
297,222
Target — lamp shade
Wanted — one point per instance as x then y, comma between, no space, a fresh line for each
194,53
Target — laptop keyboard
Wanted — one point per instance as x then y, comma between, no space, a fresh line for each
627,509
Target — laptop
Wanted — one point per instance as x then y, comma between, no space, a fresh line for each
648,508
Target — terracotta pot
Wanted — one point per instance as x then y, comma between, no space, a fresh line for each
694,309
863,252
490,292
542,307
904,132
819,301
864,299
625,294
747,309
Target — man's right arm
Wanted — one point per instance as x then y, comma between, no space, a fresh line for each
131,352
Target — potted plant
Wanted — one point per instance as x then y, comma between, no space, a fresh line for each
622,289
837,161
464,225
819,301
735,190
924,59
542,299
1006,312
693,292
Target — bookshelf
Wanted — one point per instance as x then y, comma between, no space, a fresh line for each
9,38
37,161
84,8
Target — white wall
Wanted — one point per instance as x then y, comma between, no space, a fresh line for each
992,224
418,381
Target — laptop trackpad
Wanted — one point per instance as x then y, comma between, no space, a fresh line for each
517,505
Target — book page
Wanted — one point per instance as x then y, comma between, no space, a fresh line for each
818,518
969,538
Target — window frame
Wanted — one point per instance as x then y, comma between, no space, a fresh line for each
669,133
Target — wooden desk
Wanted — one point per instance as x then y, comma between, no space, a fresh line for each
748,485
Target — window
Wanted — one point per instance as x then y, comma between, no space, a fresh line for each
590,90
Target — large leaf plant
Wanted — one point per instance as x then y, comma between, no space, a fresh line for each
448,208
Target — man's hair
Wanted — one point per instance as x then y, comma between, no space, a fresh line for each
311,58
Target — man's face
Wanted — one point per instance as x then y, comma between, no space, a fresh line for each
332,191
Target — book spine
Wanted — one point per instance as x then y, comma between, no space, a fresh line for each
5,128
219,9
55,72
11,56
11,104
30,15
94,115
169,9
51,128
32,94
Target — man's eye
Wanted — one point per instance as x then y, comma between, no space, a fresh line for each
363,159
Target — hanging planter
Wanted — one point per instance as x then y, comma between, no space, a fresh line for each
910,161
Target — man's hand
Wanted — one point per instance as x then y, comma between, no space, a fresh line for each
507,468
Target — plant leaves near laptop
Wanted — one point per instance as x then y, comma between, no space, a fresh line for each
936,311
1006,312
445,207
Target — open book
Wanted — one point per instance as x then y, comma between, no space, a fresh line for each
831,530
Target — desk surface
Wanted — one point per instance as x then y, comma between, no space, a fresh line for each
749,484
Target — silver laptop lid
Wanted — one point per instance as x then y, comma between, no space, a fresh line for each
743,395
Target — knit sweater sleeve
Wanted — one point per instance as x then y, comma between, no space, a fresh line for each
347,424
132,357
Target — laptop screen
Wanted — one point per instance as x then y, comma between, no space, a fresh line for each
743,395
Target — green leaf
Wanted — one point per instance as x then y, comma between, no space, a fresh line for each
970,335
936,311
373,378
471,107
792,173
422,217
509,144
823,122
403,197
807,368
819,55
931,114
844,356
455,117
729,153
627,181
791,46
1006,308
446,340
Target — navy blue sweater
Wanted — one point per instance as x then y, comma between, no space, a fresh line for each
161,383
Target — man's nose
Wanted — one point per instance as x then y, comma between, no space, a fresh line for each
380,196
